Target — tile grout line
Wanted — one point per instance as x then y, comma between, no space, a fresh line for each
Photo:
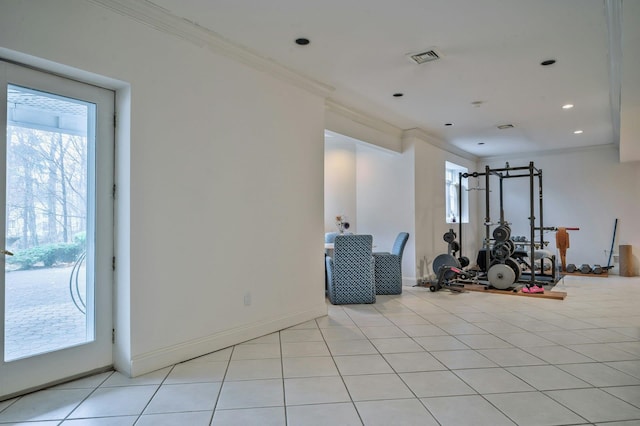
284,390
224,376
394,370
353,404
87,397
154,394
503,368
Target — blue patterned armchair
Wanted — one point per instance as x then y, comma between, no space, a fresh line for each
388,267
350,271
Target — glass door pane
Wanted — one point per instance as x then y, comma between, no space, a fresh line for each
46,223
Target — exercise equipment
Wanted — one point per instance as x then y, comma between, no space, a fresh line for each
587,269
502,233
499,245
501,251
448,267
613,240
511,245
445,260
449,236
446,278
513,264
562,243
501,276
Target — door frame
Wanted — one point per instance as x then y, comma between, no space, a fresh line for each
27,374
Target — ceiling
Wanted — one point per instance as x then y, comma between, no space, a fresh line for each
489,73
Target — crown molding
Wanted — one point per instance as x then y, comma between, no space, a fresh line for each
424,136
161,19
551,152
362,118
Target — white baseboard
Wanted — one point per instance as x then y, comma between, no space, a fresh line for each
151,361
409,281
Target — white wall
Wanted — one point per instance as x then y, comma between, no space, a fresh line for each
223,192
385,188
430,205
588,189
374,187
339,182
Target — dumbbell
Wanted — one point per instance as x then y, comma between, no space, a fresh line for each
571,268
585,269
597,269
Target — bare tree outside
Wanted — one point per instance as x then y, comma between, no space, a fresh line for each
46,222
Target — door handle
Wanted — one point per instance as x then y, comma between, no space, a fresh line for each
7,252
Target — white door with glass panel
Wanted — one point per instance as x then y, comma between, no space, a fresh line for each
56,176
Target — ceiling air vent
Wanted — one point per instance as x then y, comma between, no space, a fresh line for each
428,56
505,126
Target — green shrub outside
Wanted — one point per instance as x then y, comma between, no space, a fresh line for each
47,254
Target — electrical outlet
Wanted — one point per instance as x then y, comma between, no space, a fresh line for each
247,298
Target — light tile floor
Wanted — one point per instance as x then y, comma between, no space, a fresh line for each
419,358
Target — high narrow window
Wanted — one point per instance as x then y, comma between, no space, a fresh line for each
453,192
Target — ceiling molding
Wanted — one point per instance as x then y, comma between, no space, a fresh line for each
362,118
161,19
438,143
551,152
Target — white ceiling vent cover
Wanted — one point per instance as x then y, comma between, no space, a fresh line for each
426,56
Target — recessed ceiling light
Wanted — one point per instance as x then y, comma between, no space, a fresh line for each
448,124
302,41
548,62
577,132
398,95
567,106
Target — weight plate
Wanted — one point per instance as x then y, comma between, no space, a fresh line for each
500,251
513,264
454,246
464,261
501,276
444,260
511,245
501,233
449,237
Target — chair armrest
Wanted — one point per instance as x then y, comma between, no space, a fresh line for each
328,260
